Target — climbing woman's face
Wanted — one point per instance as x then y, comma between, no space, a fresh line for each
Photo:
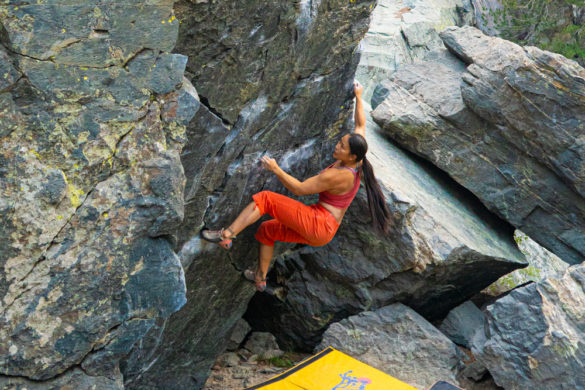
342,151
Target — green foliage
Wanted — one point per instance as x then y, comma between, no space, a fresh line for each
287,360
280,361
540,23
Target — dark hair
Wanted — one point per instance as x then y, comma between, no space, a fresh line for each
376,201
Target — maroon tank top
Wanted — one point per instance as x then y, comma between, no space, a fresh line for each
344,200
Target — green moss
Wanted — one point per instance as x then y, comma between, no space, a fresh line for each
532,272
285,361
369,237
280,361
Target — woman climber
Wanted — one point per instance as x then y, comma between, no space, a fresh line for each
316,224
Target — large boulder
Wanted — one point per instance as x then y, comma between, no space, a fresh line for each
272,77
91,186
444,246
397,340
509,128
534,336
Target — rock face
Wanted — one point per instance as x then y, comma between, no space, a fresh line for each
443,248
398,341
509,128
273,77
534,335
93,111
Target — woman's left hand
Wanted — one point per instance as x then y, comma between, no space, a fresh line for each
269,163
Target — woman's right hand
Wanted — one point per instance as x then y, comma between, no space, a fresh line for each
269,163
357,88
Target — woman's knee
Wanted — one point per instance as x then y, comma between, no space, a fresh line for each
264,234
262,200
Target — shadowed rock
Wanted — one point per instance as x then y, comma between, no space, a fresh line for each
272,78
443,248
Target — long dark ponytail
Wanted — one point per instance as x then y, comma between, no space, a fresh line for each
381,217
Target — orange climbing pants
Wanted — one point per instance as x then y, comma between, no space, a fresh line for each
293,221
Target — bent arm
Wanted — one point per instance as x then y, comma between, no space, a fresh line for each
313,185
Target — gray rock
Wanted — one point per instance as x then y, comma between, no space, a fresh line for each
253,359
475,370
183,106
74,378
272,353
543,264
11,117
83,34
267,81
8,73
260,342
489,129
91,185
444,248
238,333
397,340
229,359
534,335
462,322
55,187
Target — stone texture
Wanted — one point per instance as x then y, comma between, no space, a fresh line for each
508,129
444,247
462,322
475,370
238,334
398,341
403,32
543,264
272,77
534,335
74,378
91,186
260,342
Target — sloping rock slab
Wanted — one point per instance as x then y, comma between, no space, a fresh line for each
509,128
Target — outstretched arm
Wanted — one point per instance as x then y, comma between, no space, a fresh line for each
360,114
313,185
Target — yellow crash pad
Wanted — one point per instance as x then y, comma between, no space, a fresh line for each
332,370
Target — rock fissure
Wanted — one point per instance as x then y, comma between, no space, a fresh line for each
137,53
205,102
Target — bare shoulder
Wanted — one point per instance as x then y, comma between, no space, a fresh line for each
338,179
